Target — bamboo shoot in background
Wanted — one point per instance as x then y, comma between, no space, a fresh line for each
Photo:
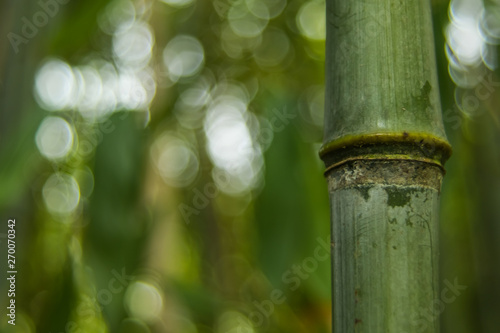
384,150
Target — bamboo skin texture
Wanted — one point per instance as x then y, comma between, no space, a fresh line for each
384,151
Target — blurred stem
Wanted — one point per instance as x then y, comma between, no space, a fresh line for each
384,150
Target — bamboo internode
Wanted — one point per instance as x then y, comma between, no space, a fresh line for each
384,149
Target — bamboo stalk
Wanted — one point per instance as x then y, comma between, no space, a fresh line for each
384,150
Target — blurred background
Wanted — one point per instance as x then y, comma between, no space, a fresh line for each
161,161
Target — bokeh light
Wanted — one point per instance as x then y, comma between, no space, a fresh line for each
471,50
133,44
134,325
183,56
231,146
490,25
464,39
90,89
275,7
235,46
273,49
54,138
189,108
61,194
132,93
175,161
143,301
85,178
178,3
119,14
55,85
311,20
179,322
95,90
311,111
248,21
234,322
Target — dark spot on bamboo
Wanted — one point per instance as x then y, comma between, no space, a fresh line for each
364,192
398,196
357,321
423,100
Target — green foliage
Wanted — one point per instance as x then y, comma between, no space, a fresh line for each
125,257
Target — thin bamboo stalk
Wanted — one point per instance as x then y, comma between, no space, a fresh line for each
384,150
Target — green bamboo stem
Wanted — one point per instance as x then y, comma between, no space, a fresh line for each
384,150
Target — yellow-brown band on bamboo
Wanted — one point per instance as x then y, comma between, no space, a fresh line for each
406,146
